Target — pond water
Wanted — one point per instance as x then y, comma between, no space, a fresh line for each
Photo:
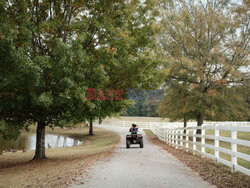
28,142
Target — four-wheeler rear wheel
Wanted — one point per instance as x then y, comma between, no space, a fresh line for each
141,143
128,144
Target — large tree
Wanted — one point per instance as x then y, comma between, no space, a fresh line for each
126,51
52,51
43,69
206,47
176,103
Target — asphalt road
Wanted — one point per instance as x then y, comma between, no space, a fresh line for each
148,167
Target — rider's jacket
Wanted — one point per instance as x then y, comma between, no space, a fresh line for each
133,129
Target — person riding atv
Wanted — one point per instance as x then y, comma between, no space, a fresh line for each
134,137
133,128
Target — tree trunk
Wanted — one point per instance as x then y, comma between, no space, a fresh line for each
40,141
100,121
91,127
200,118
185,123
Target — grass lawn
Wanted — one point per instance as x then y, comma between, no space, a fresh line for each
63,165
216,174
137,118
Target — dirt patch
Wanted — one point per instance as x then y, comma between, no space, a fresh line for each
214,173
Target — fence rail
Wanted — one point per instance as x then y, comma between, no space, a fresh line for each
186,138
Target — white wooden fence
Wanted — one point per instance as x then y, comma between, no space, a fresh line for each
173,134
174,137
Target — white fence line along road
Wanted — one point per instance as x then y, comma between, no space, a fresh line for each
173,134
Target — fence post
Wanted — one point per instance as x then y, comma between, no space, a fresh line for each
203,132
159,132
194,140
234,149
216,142
167,135
176,138
181,137
172,137
187,139
164,135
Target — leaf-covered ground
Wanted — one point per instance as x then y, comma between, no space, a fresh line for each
63,166
216,174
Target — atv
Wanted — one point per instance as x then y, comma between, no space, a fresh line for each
134,138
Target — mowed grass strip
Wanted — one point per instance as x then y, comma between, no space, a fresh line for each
215,173
136,119
63,166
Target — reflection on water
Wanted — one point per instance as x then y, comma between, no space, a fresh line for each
28,142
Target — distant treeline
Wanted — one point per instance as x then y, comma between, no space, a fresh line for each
145,108
150,108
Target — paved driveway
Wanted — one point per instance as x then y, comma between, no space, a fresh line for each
148,167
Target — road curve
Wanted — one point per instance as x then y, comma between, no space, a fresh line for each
148,167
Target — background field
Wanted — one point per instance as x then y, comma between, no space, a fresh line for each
137,118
